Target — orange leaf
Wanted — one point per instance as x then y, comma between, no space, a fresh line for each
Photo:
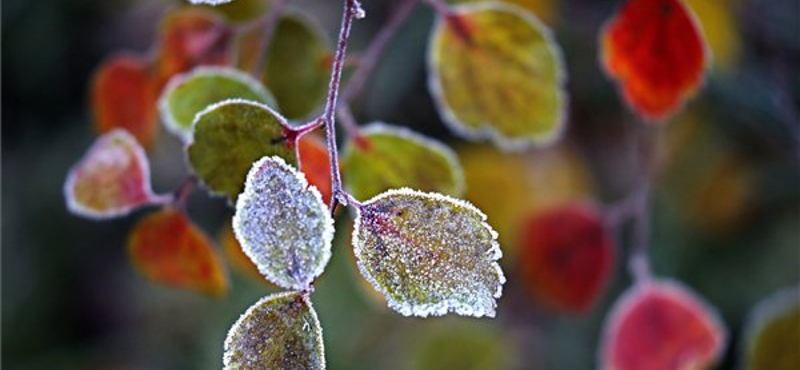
191,37
167,248
123,95
656,52
315,164
567,256
661,326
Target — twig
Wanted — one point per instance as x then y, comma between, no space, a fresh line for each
352,10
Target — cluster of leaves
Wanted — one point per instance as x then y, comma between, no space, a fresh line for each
496,73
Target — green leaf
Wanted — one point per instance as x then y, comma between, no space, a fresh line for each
428,254
191,92
229,136
388,157
773,332
496,73
279,332
283,225
111,180
298,65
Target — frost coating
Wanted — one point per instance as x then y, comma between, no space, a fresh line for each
393,157
188,93
429,254
111,180
283,225
279,332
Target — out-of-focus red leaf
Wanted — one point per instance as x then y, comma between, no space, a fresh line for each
656,52
661,326
123,95
167,248
191,37
315,164
112,179
566,256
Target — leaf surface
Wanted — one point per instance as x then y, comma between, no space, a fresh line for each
389,157
771,335
656,53
283,225
279,332
316,164
496,73
567,256
123,95
112,178
190,93
229,136
660,325
191,37
168,249
428,254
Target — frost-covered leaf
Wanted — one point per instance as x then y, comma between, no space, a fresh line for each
235,255
656,53
283,225
229,136
316,164
388,157
190,37
772,333
567,256
298,64
660,325
279,332
496,73
123,95
189,93
112,178
167,248
428,254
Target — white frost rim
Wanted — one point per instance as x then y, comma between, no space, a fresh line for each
487,131
625,303
74,206
167,116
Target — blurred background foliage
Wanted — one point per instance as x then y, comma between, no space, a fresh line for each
725,213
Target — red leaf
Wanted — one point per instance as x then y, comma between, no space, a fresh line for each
661,326
567,256
315,164
656,52
123,95
112,178
167,248
192,37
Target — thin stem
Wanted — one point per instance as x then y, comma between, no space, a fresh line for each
639,263
348,121
308,127
269,22
352,9
185,189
